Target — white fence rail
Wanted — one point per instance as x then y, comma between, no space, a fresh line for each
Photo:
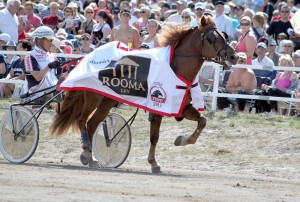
215,94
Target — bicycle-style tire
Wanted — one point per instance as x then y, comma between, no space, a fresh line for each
114,155
21,148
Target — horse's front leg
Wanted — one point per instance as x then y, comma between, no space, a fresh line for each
192,114
155,122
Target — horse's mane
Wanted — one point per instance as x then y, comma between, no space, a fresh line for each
172,33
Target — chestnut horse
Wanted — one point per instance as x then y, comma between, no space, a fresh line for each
192,48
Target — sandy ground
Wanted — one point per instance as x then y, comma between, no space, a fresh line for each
228,163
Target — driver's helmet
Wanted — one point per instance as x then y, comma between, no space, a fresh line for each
43,32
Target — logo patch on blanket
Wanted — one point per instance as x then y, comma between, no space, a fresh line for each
127,76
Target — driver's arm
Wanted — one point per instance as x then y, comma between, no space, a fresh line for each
39,75
32,66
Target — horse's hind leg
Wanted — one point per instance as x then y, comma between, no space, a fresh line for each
99,115
192,114
154,136
91,102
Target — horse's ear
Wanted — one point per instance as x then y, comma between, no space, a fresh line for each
203,21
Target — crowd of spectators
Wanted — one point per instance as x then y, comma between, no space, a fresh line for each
262,30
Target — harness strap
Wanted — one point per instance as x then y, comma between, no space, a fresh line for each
186,87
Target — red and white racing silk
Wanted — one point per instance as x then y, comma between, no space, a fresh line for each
142,79
42,58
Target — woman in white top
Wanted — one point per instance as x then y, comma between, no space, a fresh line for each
103,27
150,39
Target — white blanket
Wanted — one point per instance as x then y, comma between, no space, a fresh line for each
142,79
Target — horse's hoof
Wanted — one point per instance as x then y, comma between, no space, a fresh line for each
155,169
94,164
85,157
180,141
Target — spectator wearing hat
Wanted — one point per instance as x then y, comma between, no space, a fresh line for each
4,38
272,53
187,17
33,21
281,25
61,34
10,58
247,41
126,33
46,10
239,12
199,10
53,18
263,60
88,24
9,20
235,22
208,12
116,16
102,28
125,5
55,48
224,24
76,46
16,70
85,44
181,5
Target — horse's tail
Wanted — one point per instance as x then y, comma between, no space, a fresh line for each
67,118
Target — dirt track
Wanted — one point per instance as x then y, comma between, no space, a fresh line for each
62,182
228,163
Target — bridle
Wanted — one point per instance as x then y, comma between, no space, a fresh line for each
209,34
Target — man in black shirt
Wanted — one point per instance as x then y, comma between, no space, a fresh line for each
281,25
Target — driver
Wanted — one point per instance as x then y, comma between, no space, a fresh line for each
40,64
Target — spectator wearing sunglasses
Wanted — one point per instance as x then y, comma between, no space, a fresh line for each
286,47
281,25
272,52
186,16
247,41
142,22
88,24
176,17
85,44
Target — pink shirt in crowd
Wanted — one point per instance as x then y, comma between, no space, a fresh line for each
241,47
34,20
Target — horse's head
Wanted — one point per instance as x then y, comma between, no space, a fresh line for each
215,44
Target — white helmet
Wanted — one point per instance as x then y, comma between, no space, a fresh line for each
43,32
